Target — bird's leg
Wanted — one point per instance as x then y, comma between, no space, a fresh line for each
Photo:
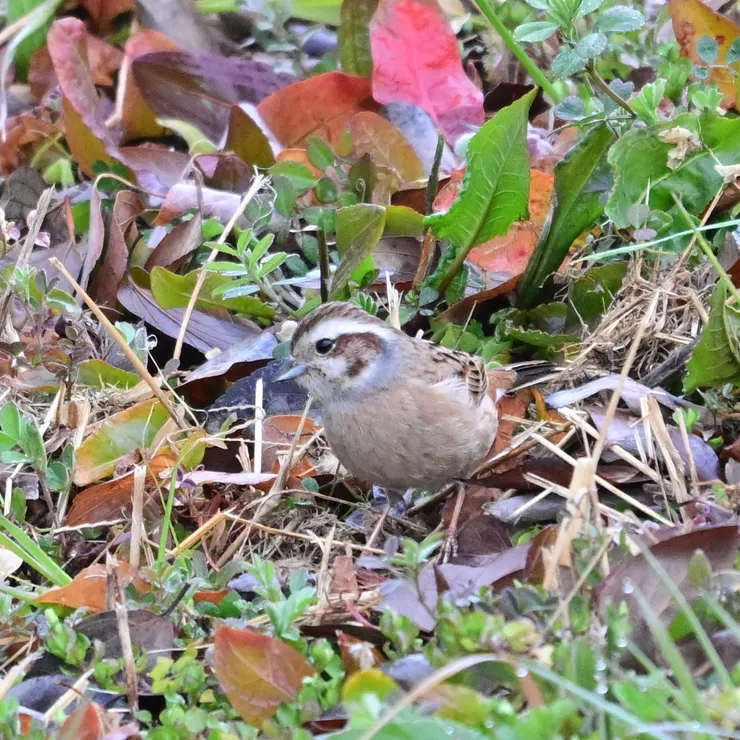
449,548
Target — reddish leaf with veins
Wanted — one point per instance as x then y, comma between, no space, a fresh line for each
318,106
416,60
257,673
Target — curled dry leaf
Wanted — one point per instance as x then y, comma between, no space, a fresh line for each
85,723
277,436
257,673
89,588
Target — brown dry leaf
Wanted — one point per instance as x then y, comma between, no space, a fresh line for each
103,12
90,587
257,673
112,500
397,164
105,61
358,655
85,723
344,576
277,435
24,129
692,19
123,235
184,239
319,106
212,597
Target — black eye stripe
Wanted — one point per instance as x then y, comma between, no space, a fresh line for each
324,346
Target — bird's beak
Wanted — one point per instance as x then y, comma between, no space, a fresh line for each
292,373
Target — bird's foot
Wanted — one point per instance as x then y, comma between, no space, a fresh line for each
449,546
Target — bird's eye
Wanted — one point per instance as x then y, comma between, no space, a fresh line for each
323,346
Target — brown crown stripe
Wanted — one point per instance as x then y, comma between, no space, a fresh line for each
327,311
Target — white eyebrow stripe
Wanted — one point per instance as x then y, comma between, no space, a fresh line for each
333,328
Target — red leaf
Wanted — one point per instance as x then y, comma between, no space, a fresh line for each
257,673
416,60
318,106
87,135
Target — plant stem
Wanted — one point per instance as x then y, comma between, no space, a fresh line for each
433,182
600,82
324,265
527,62
707,249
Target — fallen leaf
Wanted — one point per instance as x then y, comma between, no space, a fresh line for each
112,500
277,436
123,234
393,156
84,723
182,241
416,59
90,587
319,106
138,120
247,140
87,135
202,88
128,430
693,19
257,673
357,655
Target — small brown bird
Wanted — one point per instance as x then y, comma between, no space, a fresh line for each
398,411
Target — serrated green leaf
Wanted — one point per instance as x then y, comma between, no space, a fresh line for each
620,19
707,49
567,63
535,32
715,360
576,206
592,45
495,191
359,229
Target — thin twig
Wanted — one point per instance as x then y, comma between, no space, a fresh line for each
254,188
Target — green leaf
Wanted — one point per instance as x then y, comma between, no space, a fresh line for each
10,420
576,206
707,49
100,374
318,11
535,32
588,6
620,19
593,292
716,358
320,154
541,327
495,191
62,303
733,53
174,291
36,28
301,178
592,45
354,37
32,444
571,108
6,442
359,229
567,63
